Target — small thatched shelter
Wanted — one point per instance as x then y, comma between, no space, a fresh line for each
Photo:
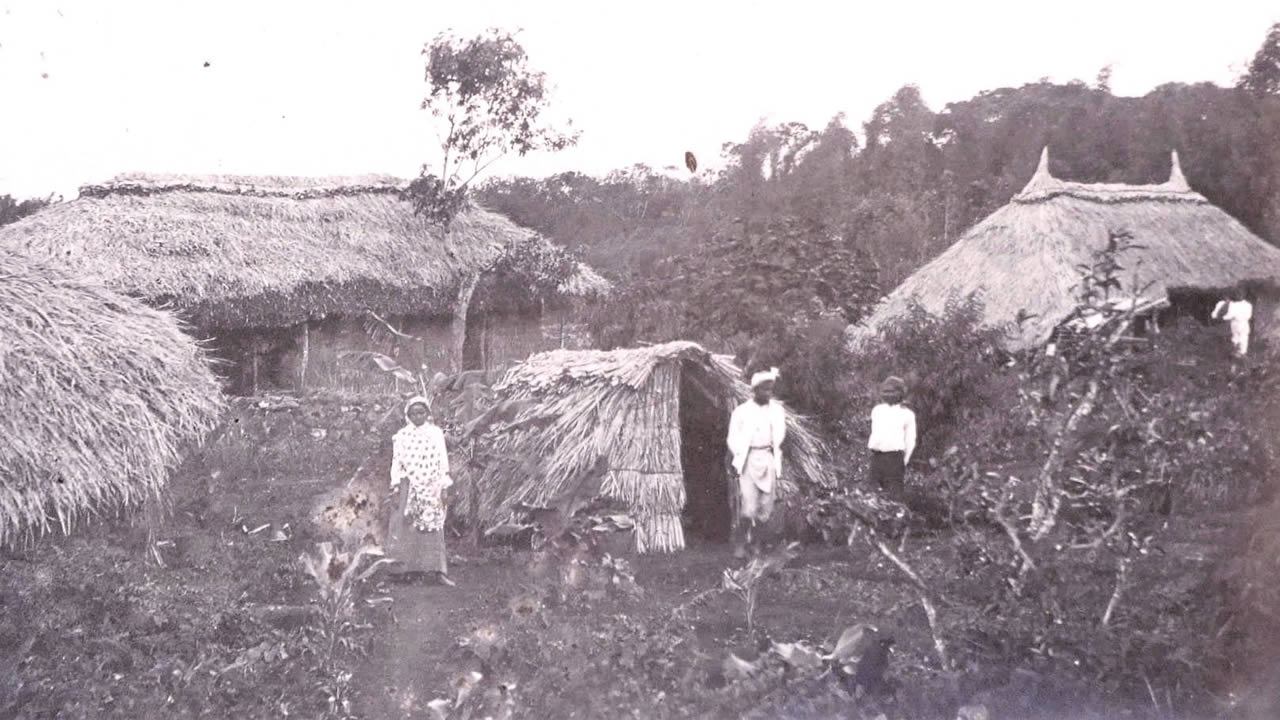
100,394
645,427
283,273
1024,257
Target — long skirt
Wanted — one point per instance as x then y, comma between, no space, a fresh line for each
415,551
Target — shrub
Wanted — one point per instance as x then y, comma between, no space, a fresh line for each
953,366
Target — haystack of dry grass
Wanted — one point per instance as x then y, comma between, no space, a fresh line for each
607,424
100,394
1025,256
233,252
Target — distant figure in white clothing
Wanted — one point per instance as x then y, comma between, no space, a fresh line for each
1237,311
893,437
756,431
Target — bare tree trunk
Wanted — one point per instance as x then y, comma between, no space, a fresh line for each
460,311
1044,509
306,357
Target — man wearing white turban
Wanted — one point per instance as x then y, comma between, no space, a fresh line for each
756,431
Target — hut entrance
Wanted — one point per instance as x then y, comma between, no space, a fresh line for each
704,427
251,361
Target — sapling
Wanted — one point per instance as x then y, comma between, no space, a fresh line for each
745,582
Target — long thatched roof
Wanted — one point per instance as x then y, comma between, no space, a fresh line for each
231,251
1025,257
100,394
607,424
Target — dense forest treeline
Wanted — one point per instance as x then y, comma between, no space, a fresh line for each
804,224
913,179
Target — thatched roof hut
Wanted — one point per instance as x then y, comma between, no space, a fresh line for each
645,427
1025,256
100,395
233,252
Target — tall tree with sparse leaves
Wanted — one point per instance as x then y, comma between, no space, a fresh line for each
487,103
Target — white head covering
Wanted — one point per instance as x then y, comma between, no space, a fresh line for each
416,400
763,377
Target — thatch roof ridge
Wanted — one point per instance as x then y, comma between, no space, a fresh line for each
288,186
235,251
1025,256
1044,186
625,366
101,394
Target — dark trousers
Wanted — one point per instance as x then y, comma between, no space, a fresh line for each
888,472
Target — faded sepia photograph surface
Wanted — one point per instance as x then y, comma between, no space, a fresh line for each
507,360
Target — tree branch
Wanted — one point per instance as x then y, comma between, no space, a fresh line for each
1122,574
1010,529
923,592
1044,508
482,168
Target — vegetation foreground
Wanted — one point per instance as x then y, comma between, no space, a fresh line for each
219,615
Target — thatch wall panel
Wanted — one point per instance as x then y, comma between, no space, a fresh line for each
101,395
608,424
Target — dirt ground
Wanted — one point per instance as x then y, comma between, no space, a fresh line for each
824,592
93,626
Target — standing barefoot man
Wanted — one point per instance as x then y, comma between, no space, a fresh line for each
756,431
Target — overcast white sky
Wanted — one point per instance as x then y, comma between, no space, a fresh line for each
89,89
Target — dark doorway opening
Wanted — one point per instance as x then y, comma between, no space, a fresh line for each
704,427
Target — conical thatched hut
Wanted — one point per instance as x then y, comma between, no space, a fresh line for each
645,427
1025,256
100,395
283,273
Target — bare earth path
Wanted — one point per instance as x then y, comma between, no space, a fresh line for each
406,668
408,664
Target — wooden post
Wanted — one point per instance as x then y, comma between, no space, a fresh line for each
253,350
306,356
460,311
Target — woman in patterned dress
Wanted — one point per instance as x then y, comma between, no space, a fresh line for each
419,476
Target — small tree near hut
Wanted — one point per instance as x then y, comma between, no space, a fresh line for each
488,103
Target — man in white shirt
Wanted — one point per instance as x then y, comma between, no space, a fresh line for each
893,437
1237,311
756,431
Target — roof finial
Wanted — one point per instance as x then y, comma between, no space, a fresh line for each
1177,181
1043,167
1041,180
